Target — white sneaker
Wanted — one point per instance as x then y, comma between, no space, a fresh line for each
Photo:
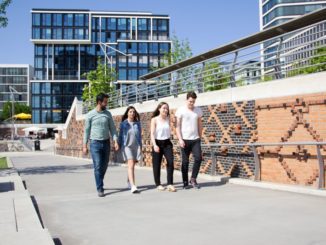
134,189
160,188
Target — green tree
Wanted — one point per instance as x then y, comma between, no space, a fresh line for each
316,64
3,19
100,80
19,108
180,50
212,77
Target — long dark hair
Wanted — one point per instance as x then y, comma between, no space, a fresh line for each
157,110
125,116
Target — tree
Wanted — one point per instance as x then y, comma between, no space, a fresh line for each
316,63
180,50
3,19
100,81
19,108
212,77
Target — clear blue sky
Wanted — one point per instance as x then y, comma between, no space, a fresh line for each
205,23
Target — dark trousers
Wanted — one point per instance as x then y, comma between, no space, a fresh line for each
166,150
191,146
100,151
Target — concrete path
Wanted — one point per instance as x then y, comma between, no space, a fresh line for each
64,191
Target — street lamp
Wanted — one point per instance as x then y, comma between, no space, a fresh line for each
13,91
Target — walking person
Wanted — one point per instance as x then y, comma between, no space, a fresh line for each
162,146
189,131
99,126
130,143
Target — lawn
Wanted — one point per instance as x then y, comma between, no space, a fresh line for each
3,162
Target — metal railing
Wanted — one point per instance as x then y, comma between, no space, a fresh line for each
253,147
293,53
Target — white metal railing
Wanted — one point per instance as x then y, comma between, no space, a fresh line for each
295,53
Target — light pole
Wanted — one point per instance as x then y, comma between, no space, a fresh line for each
13,91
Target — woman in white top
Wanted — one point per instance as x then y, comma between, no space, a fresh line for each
162,145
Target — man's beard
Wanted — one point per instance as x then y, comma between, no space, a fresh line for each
103,108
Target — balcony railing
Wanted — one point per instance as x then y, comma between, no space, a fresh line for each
291,49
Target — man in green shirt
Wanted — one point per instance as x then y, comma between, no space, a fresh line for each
99,126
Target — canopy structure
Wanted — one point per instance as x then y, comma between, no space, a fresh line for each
23,116
34,129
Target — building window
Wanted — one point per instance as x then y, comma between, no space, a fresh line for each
57,19
68,19
35,88
132,74
122,24
153,48
122,74
112,24
46,19
36,19
143,48
36,116
142,24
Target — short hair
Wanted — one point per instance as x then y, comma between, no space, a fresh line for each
191,94
100,97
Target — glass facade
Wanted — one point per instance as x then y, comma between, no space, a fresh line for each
291,10
17,78
270,4
133,45
68,26
51,101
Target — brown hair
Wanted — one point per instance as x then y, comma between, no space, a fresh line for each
125,115
157,110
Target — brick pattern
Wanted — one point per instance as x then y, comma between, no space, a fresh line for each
291,119
283,119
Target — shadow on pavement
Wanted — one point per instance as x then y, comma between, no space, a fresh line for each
54,169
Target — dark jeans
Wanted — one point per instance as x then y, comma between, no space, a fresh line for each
100,151
191,146
166,150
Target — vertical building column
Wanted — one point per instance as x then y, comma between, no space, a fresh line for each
136,26
151,29
78,61
47,62
52,62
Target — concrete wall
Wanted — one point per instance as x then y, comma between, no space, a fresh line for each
292,109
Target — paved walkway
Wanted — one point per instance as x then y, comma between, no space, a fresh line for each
64,191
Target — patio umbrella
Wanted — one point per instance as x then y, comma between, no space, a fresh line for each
23,116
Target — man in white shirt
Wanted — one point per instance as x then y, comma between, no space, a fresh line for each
189,131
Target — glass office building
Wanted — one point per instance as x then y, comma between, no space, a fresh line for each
68,43
17,77
275,12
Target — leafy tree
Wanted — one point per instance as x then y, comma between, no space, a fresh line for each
212,77
100,81
19,108
316,64
3,19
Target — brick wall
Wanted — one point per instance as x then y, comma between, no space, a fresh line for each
285,119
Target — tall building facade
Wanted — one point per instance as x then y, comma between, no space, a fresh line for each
17,77
297,47
275,12
68,44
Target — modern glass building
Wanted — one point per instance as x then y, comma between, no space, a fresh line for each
17,77
68,43
275,12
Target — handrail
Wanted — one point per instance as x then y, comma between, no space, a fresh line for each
257,174
301,22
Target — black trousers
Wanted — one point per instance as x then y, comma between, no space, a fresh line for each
194,147
166,150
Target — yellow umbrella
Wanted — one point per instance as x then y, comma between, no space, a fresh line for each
23,116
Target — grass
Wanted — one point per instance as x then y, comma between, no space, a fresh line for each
3,162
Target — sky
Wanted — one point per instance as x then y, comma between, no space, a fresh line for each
206,24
